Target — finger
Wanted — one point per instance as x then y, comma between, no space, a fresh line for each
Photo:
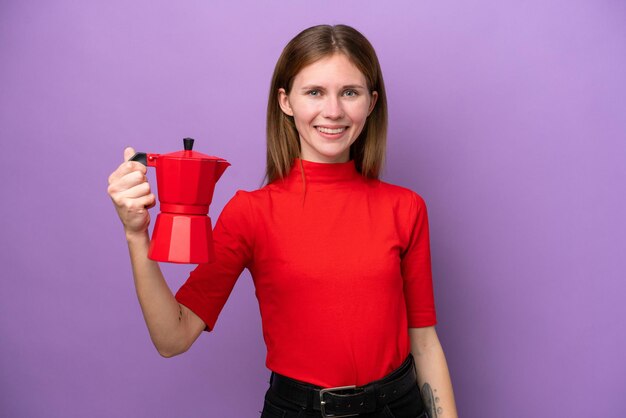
126,168
120,184
146,201
130,207
128,152
137,191
127,181
153,203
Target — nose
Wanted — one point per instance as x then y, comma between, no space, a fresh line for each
333,108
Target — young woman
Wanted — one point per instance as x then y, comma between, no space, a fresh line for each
340,260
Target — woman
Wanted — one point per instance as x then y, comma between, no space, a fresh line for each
340,260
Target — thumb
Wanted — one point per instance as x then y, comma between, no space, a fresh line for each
128,152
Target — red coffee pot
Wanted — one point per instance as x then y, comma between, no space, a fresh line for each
185,181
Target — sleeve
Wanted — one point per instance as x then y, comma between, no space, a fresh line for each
416,268
206,290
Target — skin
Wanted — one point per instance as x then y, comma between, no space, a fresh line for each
433,376
329,94
173,327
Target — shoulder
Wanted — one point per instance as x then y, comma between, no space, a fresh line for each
240,205
403,196
246,202
239,200
251,197
278,189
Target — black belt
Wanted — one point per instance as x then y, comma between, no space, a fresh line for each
345,401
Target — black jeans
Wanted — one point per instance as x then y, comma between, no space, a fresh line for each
410,405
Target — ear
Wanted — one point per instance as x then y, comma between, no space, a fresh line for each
283,102
374,98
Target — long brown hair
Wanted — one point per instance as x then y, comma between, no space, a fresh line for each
309,46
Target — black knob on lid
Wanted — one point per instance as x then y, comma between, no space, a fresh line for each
188,143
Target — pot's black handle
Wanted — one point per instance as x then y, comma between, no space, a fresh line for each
140,157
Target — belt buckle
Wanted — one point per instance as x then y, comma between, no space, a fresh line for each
323,402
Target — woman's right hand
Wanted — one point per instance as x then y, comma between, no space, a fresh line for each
131,195
172,326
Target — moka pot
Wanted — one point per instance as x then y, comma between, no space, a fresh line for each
185,183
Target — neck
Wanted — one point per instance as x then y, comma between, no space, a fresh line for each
316,174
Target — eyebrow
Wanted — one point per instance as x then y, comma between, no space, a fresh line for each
349,86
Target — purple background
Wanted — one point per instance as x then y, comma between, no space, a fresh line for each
508,117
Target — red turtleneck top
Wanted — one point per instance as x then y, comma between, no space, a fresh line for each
341,267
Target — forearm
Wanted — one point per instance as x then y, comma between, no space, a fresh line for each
432,374
164,316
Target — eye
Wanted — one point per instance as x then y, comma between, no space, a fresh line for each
351,93
313,93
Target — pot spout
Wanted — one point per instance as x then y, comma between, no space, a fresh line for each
220,167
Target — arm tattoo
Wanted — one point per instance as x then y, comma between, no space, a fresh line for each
431,401
180,313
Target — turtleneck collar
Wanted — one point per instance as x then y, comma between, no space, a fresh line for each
322,174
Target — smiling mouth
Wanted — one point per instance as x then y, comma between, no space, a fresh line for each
330,130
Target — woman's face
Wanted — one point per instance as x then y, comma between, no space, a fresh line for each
330,102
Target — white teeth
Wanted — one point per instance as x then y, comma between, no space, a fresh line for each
330,131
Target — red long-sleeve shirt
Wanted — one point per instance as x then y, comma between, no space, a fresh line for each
341,267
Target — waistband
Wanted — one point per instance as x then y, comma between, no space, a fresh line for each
348,400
